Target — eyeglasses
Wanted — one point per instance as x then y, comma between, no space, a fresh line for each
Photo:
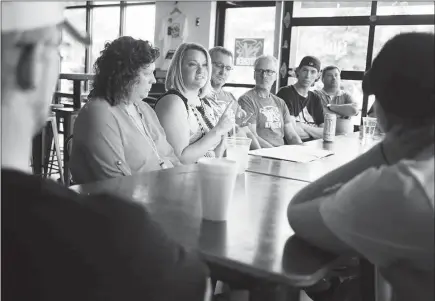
222,66
268,72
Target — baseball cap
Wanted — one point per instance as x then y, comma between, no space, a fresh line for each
402,76
22,16
311,61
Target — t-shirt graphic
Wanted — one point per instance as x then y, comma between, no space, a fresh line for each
273,117
174,30
305,117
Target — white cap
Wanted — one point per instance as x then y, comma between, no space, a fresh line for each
21,16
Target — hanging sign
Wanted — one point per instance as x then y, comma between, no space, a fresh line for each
247,50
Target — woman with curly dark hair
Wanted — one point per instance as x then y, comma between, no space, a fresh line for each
116,133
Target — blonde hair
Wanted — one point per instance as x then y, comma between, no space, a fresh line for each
174,78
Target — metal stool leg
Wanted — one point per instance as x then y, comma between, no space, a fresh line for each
57,147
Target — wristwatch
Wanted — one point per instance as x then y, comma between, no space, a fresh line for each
328,105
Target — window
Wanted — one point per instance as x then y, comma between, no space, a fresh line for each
331,9
339,33
384,33
405,8
73,53
140,22
75,3
343,46
105,29
105,23
242,23
105,2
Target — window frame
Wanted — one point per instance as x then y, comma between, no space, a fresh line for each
221,8
90,6
371,20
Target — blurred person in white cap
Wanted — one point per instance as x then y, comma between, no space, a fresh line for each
381,205
56,244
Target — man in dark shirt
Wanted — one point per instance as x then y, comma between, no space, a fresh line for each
303,104
56,244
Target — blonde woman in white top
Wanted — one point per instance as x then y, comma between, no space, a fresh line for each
186,117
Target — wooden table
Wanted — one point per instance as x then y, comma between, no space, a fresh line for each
256,241
345,148
77,79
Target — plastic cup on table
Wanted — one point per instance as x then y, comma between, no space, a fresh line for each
238,151
217,182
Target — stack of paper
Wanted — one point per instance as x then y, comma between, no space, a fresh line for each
296,153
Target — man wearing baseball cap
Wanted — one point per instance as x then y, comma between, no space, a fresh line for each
56,244
381,205
304,105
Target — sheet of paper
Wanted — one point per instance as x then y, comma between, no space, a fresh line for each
295,153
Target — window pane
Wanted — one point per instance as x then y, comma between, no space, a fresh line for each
405,8
75,3
331,9
140,22
105,29
105,2
244,23
344,46
237,91
72,52
354,88
386,32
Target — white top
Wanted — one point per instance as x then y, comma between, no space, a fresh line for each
387,215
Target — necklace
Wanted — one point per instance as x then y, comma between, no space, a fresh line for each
144,131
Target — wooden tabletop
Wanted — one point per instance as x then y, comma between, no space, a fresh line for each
345,148
256,240
77,76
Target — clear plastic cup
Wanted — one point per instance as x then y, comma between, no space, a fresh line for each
238,150
217,182
368,127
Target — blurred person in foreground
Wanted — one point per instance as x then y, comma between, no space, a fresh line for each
381,205
116,133
270,117
337,101
56,244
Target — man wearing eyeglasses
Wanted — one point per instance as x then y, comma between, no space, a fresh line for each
270,118
222,65
304,105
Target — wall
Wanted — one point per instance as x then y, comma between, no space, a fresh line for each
202,34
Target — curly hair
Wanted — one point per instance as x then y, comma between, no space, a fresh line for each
117,68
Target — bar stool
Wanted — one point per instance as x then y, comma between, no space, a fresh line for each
54,150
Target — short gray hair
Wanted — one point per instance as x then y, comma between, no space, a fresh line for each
174,78
266,57
220,49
